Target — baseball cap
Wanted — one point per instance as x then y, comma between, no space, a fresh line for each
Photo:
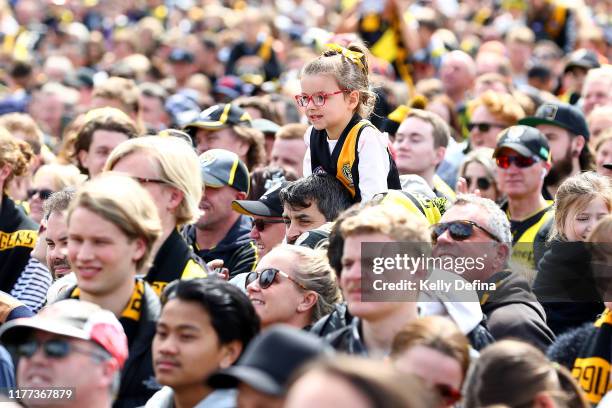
265,125
559,114
72,318
525,140
180,55
268,205
218,117
582,58
221,167
270,359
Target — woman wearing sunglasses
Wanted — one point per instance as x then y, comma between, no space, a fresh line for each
293,285
564,282
477,173
47,180
489,114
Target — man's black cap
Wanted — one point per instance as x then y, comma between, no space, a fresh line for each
221,167
582,58
270,359
219,117
559,114
268,205
525,140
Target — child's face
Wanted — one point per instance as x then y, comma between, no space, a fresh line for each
336,108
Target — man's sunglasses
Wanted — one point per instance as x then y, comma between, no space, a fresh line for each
43,193
484,127
459,230
504,162
260,223
483,183
54,348
267,278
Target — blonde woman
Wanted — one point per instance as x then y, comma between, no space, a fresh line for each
47,180
477,175
293,285
564,282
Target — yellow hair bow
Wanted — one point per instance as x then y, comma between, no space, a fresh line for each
353,56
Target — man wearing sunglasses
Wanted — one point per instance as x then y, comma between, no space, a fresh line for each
268,225
73,347
475,227
523,160
567,132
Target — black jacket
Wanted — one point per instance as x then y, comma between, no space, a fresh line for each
513,310
174,260
18,234
236,249
565,286
138,382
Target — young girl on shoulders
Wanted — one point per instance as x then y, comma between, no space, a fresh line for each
341,141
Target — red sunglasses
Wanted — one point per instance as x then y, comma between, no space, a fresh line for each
521,162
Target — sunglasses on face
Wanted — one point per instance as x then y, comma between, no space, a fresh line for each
483,183
504,162
260,223
43,193
458,230
54,348
318,99
484,126
267,278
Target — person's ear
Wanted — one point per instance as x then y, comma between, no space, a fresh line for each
176,198
502,253
139,250
241,195
440,152
543,400
309,300
109,369
230,353
577,145
353,99
5,172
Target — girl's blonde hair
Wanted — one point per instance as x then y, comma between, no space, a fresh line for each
123,202
350,72
574,194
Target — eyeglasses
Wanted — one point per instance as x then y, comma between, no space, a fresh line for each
267,278
504,162
483,183
54,348
143,180
449,394
484,127
318,99
43,193
459,230
260,223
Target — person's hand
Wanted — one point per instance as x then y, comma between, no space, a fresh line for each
462,188
40,249
216,265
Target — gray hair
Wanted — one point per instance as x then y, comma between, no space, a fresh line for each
497,221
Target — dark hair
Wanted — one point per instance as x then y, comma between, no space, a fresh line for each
264,178
231,313
324,190
58,201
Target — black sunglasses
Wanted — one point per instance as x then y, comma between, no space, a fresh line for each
43,193
267,278
459,230
483,183
54,348
484,127
260,223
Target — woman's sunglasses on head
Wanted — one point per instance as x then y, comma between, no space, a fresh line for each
267,278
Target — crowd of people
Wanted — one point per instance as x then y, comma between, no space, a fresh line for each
194,196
